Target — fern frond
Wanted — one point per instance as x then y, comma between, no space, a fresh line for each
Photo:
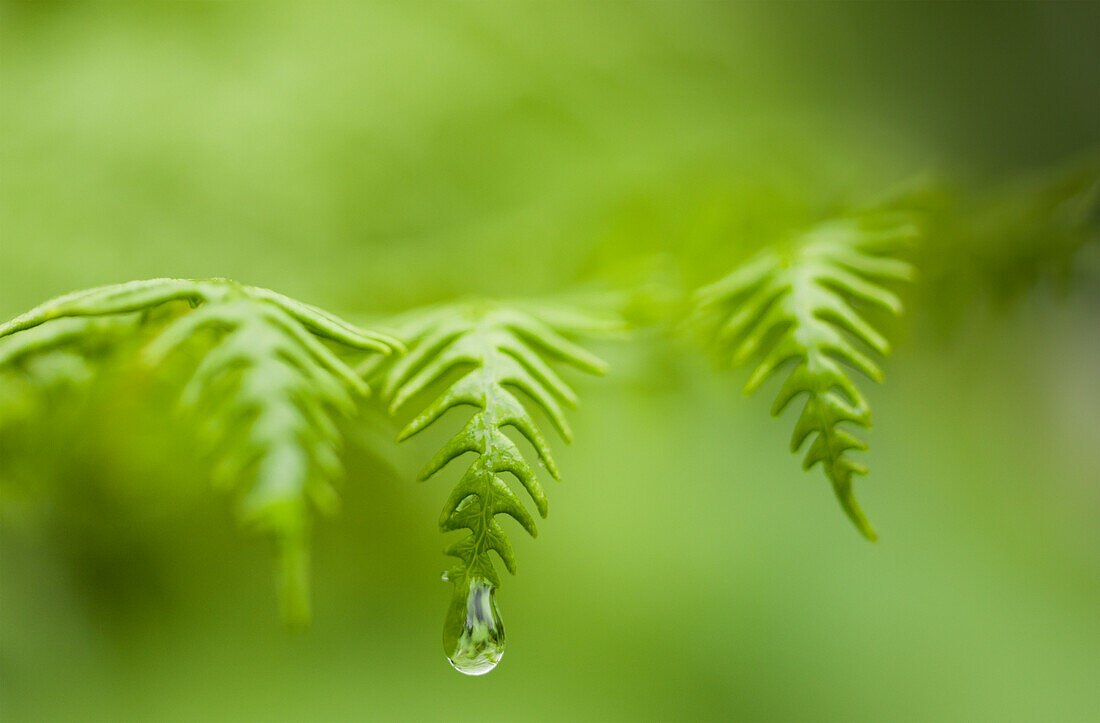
803,304
263,400
501,350
264,395
143,295
81,337
54,360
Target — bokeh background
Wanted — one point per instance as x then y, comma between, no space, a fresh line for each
371,157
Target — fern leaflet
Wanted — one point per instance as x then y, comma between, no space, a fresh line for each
51,367
801,304
263,396
501,349
61,354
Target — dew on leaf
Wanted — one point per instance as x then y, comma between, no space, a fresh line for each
473,633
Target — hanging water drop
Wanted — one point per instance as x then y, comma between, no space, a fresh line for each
473,633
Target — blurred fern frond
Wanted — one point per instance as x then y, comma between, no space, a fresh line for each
993,243
45,382
61,355
803,303
262,398
1032,227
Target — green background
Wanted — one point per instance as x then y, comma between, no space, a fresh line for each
373,157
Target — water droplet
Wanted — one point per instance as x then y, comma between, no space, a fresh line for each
473,633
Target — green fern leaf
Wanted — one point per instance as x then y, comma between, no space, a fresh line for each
264,395
80,339
500,350
53,361
802,304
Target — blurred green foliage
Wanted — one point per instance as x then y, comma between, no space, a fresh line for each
374,157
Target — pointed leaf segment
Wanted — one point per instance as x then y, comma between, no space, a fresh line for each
264,394
501,354
801,305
